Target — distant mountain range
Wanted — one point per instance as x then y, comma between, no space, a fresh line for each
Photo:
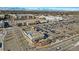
41,8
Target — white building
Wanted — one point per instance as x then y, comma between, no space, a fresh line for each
2,15
53,18
1,23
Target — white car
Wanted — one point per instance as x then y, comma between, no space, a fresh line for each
58,48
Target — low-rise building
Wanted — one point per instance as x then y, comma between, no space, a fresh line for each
25,16
1,23
53,18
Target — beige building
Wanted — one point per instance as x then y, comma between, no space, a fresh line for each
25,16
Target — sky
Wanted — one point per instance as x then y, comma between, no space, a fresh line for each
42,8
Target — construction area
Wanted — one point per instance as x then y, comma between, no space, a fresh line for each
39,32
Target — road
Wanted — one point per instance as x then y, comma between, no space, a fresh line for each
65,45
1,38
2,35
14,40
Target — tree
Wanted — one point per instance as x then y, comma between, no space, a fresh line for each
6,16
